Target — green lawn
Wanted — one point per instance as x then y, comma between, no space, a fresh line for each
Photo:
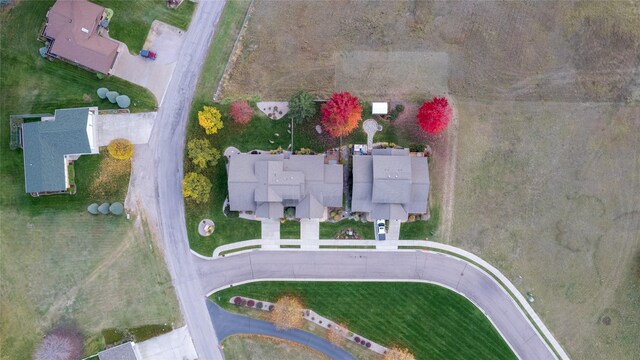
433,322
50,245
132,19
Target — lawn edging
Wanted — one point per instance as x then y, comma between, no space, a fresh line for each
447,250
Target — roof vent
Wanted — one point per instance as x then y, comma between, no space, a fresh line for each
85,30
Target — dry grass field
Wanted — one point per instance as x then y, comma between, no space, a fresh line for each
257,347
547,101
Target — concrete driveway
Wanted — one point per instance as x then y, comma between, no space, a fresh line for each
176,344
166,41
133,127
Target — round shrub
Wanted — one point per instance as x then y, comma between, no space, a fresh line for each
116,208
362,342
399,108
241,112
104,208
271,307
112,95
259,305
123,101
243,302
93,209
102,92
121,149
357,339
237,300
251,303
368,344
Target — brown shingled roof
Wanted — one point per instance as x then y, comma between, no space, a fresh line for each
73,27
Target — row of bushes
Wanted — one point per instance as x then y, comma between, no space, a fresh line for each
113,97
239,301
116,208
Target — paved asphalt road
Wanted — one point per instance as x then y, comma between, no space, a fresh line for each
425,266
227,324
157,178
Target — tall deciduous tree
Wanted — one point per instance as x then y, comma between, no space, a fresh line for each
288,313
197,187
210,119
341,114
434,116
241,112
302,107
202,154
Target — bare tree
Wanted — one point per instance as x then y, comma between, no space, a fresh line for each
62,343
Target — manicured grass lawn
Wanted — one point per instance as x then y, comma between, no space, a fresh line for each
51,245
132,19
433,322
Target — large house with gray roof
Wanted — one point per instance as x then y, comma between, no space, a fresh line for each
390,184
50,145
126,351
265,184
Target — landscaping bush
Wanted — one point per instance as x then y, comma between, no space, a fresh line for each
202,154
237,300
357,339
116,208
241,112
399,108
102,93
302,107
416,147
93,209
362,342
368,344
123,101
104,208
271,307
197,187
251,303
210,119
112,95
259,305
121,149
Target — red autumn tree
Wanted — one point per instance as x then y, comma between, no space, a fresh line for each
241,111
341,114
434,116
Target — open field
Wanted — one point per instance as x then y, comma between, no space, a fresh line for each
435,323
537,187
131,23
546,96
58,263
258,347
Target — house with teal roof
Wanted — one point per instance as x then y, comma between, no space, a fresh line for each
51,145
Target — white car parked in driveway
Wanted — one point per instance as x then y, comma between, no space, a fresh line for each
381,230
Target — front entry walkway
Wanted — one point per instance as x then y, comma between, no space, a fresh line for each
227,324
309,233
270,233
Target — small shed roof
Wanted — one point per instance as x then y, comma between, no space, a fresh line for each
379,108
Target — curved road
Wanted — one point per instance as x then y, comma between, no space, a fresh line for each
156,188
432,267
227,324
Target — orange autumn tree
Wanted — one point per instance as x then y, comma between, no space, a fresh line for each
398,354
288,313
341,114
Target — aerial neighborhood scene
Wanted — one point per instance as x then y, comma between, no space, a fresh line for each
338,179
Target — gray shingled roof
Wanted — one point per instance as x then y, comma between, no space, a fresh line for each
266,184
120,352
45,143
389,184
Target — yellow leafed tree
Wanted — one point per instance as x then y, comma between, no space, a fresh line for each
398,354
197,187
288,313
210,119
121,149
